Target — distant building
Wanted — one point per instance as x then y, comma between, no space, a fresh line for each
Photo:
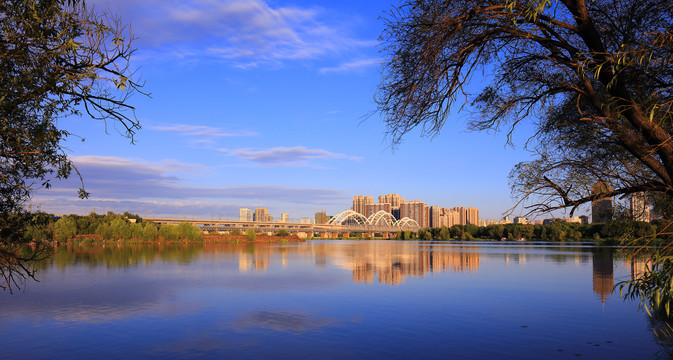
574,219
371,209
416,210
640,208
602,208
321,217
305,220
393,199
436,216
284,217
452,217
261,215
244,214
472,216
520,220
360,203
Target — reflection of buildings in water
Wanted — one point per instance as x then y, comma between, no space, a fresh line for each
389,262
456,262
603,272
259,260
393,263
363,274
515,258
639,266
244,262
261,263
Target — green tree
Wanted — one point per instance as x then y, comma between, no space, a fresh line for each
444,234
250,234
65,228
150,232
593,77
57,58
40,227
169,232
190,232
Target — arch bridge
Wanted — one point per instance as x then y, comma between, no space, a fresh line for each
380,219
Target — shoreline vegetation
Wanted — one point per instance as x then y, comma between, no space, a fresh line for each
93,228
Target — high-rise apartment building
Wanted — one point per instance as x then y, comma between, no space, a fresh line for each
284,217
261,215
601,209
244,214
371,209
436,216
452,217
360,203
472,216
462,215
416,210
393,199
640,208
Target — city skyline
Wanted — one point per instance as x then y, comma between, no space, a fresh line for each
261,104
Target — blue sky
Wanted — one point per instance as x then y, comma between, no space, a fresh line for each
269,104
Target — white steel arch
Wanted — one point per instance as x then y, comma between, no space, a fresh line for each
381,218
407,222
346,215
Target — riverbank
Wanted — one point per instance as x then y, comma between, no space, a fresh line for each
208,239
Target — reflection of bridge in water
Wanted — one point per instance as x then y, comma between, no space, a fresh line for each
345,222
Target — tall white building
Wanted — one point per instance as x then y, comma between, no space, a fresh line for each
360,203
244,214
640,209
284,217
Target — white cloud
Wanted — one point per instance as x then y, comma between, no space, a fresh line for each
121,184
353,66
287,156
203,131
249,32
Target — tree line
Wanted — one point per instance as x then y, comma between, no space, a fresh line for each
46,227
617,230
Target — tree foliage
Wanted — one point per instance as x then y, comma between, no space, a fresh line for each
57,58
595,77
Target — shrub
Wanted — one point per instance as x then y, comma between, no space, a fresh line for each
169,232
150,231
250,234
190,232
65,228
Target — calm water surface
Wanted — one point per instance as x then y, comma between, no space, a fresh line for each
328,300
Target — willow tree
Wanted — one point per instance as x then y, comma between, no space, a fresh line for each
594,77
58,58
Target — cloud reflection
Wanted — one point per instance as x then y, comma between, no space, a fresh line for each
278,320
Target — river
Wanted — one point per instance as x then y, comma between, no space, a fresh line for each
335,299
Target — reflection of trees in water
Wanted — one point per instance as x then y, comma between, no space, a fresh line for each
19,263
125,255
651,284
663,335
